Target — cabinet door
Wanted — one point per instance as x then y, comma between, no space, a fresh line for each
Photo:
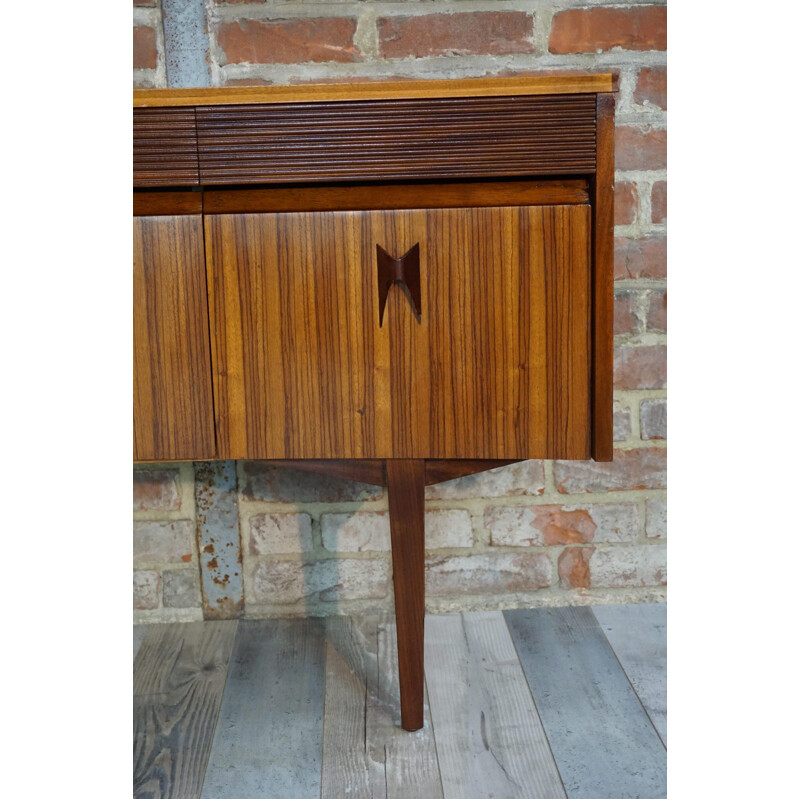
496,365
173,415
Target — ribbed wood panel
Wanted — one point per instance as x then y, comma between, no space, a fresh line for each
398,139
164,147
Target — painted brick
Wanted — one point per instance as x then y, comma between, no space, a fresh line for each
656,518
651,88
288,41
626,203
156,490
625,321
658,202
520,526
287,582
280,533
365,530
618,567
645,257
640,367
145,54
163,542
645,468
640,147
597,30
470,33
622,423
448,528
490,574
573,567
357,532
182,589
653,418
522,478
264,482
146,589
657,311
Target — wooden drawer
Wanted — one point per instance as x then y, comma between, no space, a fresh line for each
397,139
164,147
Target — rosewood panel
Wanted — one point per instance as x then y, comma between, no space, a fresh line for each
164,147
173,414
455,137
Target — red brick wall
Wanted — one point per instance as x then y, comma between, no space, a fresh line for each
539,533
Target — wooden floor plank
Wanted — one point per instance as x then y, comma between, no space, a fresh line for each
365,752
138,635
178,681
638,635
489,738
603,741
268,741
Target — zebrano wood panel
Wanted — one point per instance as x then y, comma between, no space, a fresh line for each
173,412
164,147
496,367
397,139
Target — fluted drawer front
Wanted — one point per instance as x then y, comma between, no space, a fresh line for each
164,147
398,139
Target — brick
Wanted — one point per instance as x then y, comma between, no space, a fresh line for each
653,419
146,589
626,203
156,490
285,582
573,567
163,542
658,202
288,41
487,574
625,321
267,483
640,367
651,88
645,468
597,30
655,526
619,567
357,532
522,478
182,589
150,3
470,33
520,526
145,54
448,528
280,533
370,531
657,311
640,258
622,424
638,147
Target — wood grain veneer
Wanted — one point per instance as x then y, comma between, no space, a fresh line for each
378,90
496,368
173,413
397,139
164,147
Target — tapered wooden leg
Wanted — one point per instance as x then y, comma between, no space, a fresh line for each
406,480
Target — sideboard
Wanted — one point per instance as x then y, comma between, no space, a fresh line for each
396,283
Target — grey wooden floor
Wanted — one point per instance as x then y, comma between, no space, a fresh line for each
563,702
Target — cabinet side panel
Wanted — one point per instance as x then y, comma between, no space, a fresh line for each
173,415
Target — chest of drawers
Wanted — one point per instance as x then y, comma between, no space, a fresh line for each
396,283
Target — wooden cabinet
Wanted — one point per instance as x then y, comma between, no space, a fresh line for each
399,283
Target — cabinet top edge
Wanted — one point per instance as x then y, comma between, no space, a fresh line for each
379,90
